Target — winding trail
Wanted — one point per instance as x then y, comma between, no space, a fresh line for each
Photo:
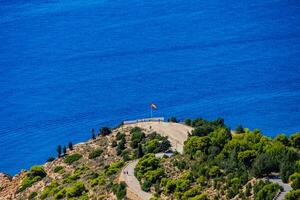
177,134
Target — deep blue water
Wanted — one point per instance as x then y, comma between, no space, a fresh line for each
72,65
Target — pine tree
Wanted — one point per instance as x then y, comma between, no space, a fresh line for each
70,146
93,134
65,150
58,150
140,152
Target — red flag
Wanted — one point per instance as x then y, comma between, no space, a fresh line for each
153,106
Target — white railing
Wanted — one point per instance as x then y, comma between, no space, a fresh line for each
154,119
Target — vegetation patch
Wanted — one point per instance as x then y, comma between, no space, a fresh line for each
96,153
35,174
69,159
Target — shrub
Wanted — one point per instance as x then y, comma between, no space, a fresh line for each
96,153
239,129
203,196
114,143
72,158
114,167
35,174
58,169
49,190
296,183
32,195
146,186
121,191
105,131
188,122
100,180
293,195
137,135
120,136
76,190
173,119
268,192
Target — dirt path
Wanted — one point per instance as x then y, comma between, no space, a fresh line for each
177,134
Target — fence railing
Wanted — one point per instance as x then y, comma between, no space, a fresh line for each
154,119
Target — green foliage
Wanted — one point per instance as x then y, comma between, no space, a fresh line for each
121,146
99,180
69,159
114,167
121,190
239,129
293,195
58,169
137,135
295,140
35,174
247,157
146,186
296,183
114,143
120,136
104,131
203,196
76,190
70,145
156,145
188,122
195,143
96,153
140,152
32,195
49,190
282,139
268,192
147,163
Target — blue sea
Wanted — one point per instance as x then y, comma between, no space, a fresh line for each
67,66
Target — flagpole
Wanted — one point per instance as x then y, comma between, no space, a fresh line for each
151,112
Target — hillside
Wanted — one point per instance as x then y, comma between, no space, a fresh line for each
210,161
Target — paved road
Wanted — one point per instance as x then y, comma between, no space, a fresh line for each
177,134
286,188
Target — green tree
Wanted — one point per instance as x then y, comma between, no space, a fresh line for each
188,122
282,139
70,146
295,140
64,150
194,144
104,131
239,129
140,152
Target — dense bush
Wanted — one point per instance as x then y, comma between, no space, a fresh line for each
77,190
293,195
114,167
121,190
35,174
137,135
58,169
96,153
32,195
69,159
268,192
104,131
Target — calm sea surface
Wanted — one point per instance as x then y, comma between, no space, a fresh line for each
69,66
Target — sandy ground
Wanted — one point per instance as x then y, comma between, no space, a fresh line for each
177,134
